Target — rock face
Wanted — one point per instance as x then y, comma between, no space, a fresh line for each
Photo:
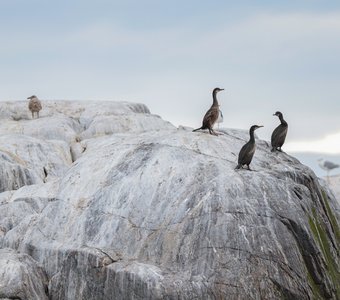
115,203
20,277
334,184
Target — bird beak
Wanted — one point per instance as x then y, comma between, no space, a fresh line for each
222,89
274,114
261,126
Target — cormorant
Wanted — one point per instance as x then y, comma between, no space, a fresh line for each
34,105
279,133
247,151
212,114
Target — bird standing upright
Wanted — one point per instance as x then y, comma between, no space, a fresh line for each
212,114
34,105
247,151
279,134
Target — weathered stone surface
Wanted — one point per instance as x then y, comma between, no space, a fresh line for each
334,184
148,211
21,277
25,160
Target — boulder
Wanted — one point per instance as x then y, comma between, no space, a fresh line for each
21,277
150,211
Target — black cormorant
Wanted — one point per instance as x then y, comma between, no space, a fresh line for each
279,133
212,114
247,151
34,105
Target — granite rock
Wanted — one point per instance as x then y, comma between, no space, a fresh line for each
21,277
139,209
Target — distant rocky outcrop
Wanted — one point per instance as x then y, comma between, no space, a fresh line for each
103,200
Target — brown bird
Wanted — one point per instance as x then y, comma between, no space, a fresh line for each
212,114
34,105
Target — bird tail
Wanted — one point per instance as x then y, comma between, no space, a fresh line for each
197,129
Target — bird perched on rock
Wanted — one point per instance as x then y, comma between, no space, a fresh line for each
279,134
212,114
327,165
247,151
34,105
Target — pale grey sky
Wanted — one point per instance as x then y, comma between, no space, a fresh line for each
171,54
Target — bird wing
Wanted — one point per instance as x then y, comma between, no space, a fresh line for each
246,154
279,135
34,105
211,117
329,165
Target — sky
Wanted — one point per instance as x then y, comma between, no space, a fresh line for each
268,55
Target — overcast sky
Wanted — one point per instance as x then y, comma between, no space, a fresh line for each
268,55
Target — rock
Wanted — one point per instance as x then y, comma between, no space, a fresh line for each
130,123
332,185
26,160
148,211
21,206
21,277
57,128
84,111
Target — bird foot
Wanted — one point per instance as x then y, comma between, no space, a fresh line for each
213,133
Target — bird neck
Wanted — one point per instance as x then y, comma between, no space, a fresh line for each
214,94
252,136
283,122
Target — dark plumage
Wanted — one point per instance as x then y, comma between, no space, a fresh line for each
212,114
34,105
247,151
279,134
